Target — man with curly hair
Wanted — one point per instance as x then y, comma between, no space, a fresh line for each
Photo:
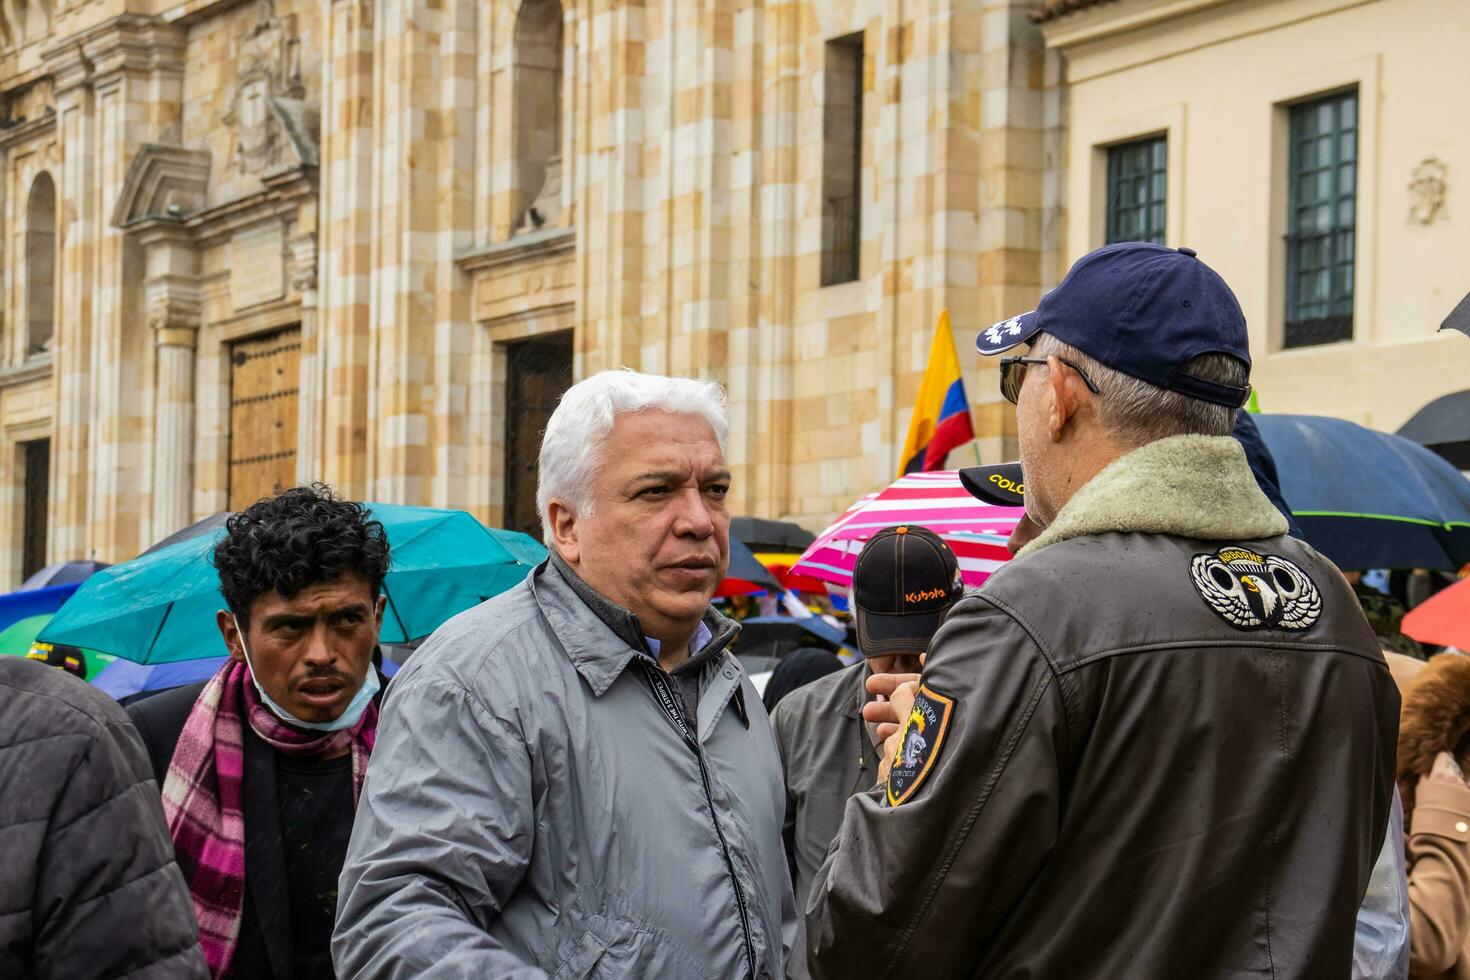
261,766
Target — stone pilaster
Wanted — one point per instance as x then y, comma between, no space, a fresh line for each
172,296
78,224
343,325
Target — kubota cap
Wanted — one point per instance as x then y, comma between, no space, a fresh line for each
1141,309
903,584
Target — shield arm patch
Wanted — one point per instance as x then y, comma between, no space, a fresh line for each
919,743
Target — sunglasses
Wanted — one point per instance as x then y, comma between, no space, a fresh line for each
1013,373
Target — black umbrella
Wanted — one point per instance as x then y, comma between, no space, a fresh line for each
764,640
759,534
204,526
1444,426
1459,318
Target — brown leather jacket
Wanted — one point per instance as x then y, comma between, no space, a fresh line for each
1142,753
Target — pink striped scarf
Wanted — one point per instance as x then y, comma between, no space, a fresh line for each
202,796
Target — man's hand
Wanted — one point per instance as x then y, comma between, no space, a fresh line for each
900,691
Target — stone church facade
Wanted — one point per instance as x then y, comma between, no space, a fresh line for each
247,244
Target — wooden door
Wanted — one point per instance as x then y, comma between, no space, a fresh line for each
538,371
265,385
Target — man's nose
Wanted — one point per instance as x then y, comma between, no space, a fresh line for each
693,518
319,649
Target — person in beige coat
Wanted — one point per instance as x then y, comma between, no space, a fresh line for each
1434,749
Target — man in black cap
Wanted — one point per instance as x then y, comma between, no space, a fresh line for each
1160,741
903,584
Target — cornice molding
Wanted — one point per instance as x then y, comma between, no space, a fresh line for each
547,243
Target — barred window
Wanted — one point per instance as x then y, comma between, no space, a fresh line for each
1138,176
1322,220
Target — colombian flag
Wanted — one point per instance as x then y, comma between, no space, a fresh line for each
941,412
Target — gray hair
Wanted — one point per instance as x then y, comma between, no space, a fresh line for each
572,448
1135,412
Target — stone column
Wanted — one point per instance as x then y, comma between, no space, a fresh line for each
76,134
310,415
172,293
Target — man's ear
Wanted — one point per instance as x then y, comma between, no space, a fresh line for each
381,604
1066,397
564,530
226,624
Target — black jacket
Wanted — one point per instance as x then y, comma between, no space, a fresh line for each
264,948
1136,753
88,884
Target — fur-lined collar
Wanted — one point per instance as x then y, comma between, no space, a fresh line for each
1435,718
1188,486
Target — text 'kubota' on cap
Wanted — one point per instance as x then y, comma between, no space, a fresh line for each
1141,309
904,581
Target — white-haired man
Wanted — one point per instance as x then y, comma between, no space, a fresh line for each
575,775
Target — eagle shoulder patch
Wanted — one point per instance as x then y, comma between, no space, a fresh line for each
919,743
1251,591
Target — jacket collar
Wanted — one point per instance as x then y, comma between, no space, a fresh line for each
600,636
1187,486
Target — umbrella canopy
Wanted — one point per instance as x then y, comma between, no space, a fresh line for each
1444,427
123,678
764,535
160,607
745,574
34,602
211,523
1368,499
976,531
765,639
1442,619
63,573
1459,318
17,639
780,564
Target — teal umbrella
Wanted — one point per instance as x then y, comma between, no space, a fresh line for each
160,607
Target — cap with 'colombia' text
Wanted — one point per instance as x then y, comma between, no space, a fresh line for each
1141,309
998,483
903,584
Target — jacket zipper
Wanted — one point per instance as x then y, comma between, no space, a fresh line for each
666,696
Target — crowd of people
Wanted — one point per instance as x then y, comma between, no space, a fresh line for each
1162,741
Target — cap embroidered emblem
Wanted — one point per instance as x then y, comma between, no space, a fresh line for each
1255,592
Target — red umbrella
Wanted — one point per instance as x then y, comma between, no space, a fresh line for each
1443,619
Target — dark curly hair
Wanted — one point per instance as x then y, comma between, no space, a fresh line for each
300,537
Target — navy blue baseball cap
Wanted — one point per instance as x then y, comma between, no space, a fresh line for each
1141,309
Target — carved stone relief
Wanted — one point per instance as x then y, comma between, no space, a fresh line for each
1427,189
273,126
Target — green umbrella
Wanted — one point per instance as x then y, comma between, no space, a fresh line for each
17,639
160,607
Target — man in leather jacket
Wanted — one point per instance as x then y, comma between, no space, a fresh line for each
1160,742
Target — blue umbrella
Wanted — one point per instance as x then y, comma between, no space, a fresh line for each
123,678
1368,499
64,573
34,602
160,607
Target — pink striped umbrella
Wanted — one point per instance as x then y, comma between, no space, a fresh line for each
937,500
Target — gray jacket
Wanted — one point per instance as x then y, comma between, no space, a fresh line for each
828,753
532,809
88,885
